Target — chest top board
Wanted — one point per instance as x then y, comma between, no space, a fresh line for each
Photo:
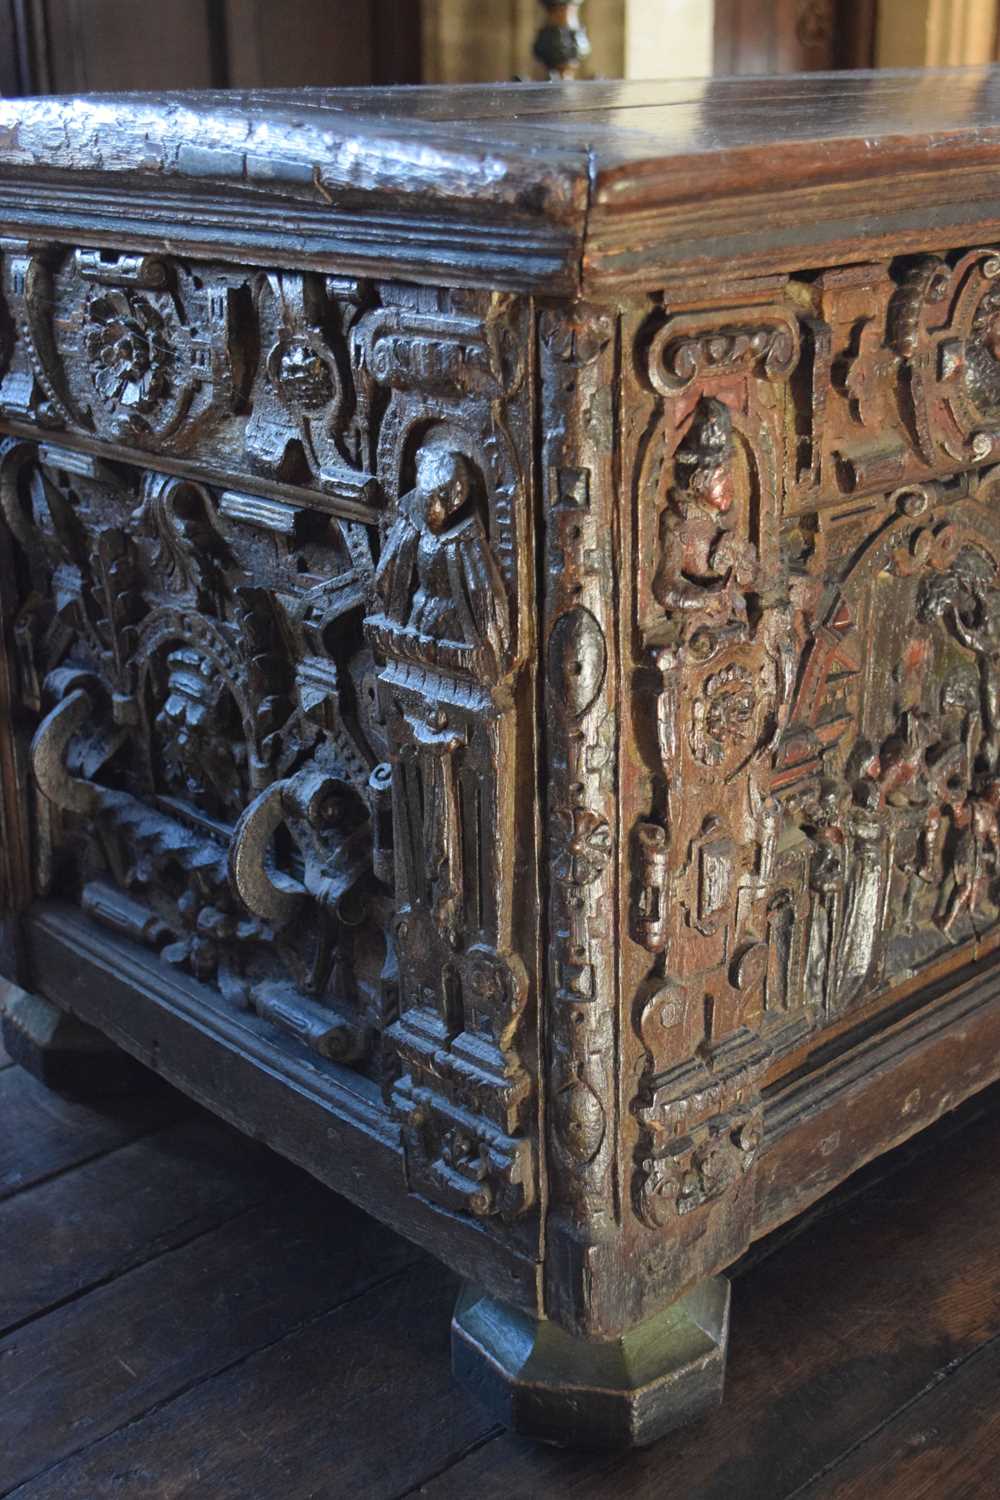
500,687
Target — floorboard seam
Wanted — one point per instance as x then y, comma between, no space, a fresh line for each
126,1270
83,1161
192,1385
937,1379
467,1452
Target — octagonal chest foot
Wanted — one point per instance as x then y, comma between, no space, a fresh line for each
63,1053
546,1384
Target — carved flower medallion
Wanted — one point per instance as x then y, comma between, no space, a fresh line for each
128,352
585,845
724,714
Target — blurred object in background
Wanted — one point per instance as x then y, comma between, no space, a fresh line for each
936,33
801,36
562,46
470,41
793,36
64,46
74,46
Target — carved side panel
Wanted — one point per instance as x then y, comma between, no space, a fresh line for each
193,790
705,450
813,796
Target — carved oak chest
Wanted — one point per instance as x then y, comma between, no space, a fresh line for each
500,675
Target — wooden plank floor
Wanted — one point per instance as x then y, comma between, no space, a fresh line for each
184,1315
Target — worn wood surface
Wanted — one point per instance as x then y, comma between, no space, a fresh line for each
292,1349
659,179
57,1133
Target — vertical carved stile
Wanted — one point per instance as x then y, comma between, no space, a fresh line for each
703,445
15,846
579,778
450,638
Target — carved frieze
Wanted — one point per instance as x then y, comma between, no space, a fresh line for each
252,371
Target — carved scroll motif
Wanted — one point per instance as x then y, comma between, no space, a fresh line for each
170,713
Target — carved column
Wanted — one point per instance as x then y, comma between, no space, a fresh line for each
578,354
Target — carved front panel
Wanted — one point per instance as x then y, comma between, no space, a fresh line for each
814,801
267,601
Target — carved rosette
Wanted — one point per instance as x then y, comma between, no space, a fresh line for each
945,322
150,352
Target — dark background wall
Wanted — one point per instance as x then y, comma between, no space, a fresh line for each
71,46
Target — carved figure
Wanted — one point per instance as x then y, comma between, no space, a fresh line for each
976,623
443,597
975,862
867,877
706,567
827,869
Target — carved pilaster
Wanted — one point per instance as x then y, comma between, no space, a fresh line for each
578,352
446,628
712,676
